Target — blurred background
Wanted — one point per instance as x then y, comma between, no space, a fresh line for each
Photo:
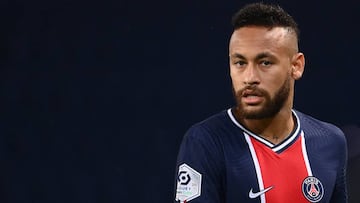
96,95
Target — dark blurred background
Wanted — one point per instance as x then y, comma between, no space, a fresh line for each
96,95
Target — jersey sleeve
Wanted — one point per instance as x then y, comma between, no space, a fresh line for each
340,191
199,168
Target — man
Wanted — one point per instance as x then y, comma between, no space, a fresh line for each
262,150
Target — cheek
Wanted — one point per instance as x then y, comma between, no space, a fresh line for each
274,84
235,74
236,81
276,79
278,83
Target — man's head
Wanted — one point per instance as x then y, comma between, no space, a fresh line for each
264,60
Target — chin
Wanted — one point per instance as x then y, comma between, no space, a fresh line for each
256,112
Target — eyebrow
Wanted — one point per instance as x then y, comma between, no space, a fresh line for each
258,56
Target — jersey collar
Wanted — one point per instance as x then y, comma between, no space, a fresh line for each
275,147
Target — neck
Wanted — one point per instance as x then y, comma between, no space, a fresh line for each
274,129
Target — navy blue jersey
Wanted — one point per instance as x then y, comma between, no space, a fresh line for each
220,161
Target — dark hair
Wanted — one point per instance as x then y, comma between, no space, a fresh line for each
267,15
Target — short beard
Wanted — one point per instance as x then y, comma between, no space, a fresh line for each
271,106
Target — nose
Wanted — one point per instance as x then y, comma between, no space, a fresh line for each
251,75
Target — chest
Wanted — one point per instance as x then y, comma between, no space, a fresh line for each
257,173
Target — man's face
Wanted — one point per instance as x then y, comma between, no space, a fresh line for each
261,65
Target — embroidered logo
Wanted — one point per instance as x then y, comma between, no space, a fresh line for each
188,184
253,195
312,189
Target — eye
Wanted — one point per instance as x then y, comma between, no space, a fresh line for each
240,63
266,63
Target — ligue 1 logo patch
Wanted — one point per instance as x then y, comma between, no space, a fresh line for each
188,184
312,189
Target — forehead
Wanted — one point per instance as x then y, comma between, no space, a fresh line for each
262,39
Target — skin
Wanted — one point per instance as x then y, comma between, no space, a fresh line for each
264,64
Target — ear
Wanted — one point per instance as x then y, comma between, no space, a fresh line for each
298,64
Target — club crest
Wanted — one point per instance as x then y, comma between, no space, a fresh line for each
312,189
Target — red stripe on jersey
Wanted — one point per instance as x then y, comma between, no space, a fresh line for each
284,171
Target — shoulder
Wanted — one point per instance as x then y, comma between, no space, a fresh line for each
315,127
202,146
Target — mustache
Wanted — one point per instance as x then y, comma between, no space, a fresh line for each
251,90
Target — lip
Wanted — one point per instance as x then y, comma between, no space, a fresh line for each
252,99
